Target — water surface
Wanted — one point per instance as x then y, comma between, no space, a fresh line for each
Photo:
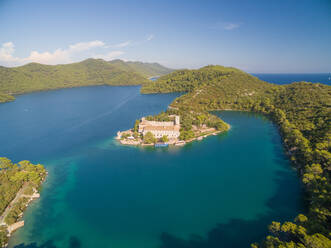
287,78
219,192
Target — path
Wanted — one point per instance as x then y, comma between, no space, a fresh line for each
11,204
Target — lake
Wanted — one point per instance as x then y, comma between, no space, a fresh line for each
222,191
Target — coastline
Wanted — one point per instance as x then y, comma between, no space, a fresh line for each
27,198
171,142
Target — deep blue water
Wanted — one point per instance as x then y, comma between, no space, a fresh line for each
287,78
219,192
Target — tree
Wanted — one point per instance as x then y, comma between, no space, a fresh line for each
3,236
164,138
149,138
5,163
136,126
186,135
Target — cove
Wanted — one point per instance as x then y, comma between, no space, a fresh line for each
219,192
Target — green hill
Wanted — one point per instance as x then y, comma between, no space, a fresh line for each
145,69
303,113
35,77
215,77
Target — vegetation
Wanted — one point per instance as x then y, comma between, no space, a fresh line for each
6,97
13,177
37,77
164,138
302,112
3,236
145,69
16,211
190,118
149,138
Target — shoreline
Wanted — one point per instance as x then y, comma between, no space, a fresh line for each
172,143
11,228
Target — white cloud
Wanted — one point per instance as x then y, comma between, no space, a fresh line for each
60,56
83,46
123,44
150,37
226,26
6,52
230,26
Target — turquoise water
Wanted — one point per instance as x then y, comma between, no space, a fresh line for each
219,192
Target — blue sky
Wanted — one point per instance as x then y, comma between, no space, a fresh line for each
254,35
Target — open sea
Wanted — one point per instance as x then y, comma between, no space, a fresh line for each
286,78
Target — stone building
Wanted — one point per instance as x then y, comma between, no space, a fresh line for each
160,128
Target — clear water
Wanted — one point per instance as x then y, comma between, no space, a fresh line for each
287,78
219,192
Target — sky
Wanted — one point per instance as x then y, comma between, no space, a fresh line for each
257,36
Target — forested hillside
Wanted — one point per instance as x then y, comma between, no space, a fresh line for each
303,114
34,77
25,177
145,69
37,77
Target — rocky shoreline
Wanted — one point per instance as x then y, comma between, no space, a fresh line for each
172,142
11,228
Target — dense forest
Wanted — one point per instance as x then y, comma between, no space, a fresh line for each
36,77
145,69
303,113
13,178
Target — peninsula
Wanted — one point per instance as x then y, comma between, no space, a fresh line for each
19,186
166,129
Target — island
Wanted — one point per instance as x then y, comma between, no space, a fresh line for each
19,185
166,129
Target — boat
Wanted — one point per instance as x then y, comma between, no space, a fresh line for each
161,145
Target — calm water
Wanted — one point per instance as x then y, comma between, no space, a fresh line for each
219,192
286,78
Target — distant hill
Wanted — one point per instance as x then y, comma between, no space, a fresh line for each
145,69
36,77
214,78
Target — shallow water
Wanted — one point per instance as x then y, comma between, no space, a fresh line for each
219,192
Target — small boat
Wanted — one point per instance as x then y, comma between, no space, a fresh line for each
161,145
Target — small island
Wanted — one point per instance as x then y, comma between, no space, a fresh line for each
20,184
167,128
